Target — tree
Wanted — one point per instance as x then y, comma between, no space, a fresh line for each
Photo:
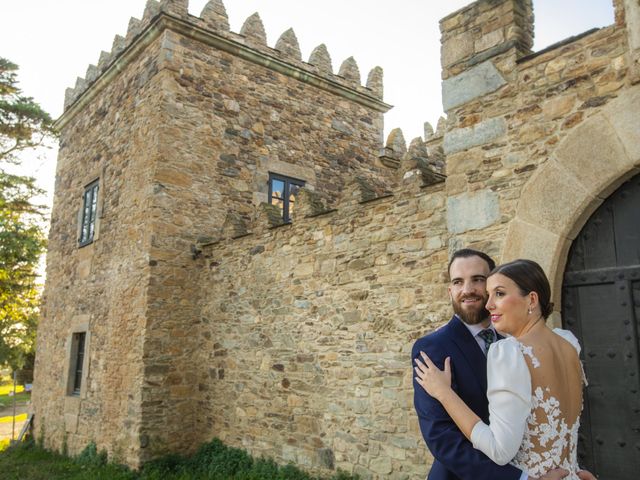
23,125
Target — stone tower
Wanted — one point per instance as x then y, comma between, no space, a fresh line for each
170,138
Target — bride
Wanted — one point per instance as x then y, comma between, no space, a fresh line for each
535,379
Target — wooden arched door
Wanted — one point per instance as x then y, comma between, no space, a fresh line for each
601,306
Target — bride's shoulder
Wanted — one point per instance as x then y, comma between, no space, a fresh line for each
506,364
569,337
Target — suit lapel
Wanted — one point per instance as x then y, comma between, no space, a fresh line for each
470,350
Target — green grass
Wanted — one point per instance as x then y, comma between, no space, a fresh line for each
7,401
214,461
33,463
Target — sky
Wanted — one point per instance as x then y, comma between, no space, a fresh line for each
54,41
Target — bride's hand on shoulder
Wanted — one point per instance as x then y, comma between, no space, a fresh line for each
436,382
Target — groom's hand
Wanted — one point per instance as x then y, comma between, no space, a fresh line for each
555,474
586,475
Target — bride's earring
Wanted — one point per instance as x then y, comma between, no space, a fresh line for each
529,312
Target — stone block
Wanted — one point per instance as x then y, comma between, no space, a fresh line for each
471,84
550,250
594,154
480,134
456,184
632,18
489,40
70,423
381,465
457,48
463,162
558,107
554,199
472,211
529,240
622,113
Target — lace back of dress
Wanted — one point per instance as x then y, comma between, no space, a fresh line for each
556,385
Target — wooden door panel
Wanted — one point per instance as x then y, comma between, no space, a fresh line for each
626,208
601,305
609,353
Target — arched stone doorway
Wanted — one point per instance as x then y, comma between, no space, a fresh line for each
585,169
601,305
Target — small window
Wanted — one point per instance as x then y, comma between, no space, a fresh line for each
89,210
282,193
77,357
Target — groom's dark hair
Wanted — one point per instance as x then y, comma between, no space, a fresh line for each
470,252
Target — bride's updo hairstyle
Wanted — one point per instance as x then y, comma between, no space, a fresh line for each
529,277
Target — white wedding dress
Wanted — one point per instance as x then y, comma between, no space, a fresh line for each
535,400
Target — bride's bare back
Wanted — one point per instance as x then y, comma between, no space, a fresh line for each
557,380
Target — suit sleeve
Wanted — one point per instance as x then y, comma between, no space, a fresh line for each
443,438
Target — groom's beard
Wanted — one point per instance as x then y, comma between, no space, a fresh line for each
471,315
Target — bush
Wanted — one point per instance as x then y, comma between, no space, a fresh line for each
90,456
216,461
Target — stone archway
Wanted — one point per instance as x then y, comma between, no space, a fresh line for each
586,167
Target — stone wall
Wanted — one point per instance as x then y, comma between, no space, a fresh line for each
307,330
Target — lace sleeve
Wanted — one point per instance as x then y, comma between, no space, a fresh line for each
509,394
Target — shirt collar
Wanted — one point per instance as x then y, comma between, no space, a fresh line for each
474,329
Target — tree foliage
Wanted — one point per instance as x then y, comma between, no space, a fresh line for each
23,125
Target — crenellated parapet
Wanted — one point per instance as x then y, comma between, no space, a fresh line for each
212,27
394,149
423,155
416,172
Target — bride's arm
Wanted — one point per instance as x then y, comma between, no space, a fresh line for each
509,394
437,383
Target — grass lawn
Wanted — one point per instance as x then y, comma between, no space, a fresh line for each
214,461
31,463
7,401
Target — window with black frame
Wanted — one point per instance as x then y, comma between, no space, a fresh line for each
89,211
77,349
282,193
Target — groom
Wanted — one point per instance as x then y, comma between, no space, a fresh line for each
465,339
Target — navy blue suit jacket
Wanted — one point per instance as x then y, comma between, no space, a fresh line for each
455,457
